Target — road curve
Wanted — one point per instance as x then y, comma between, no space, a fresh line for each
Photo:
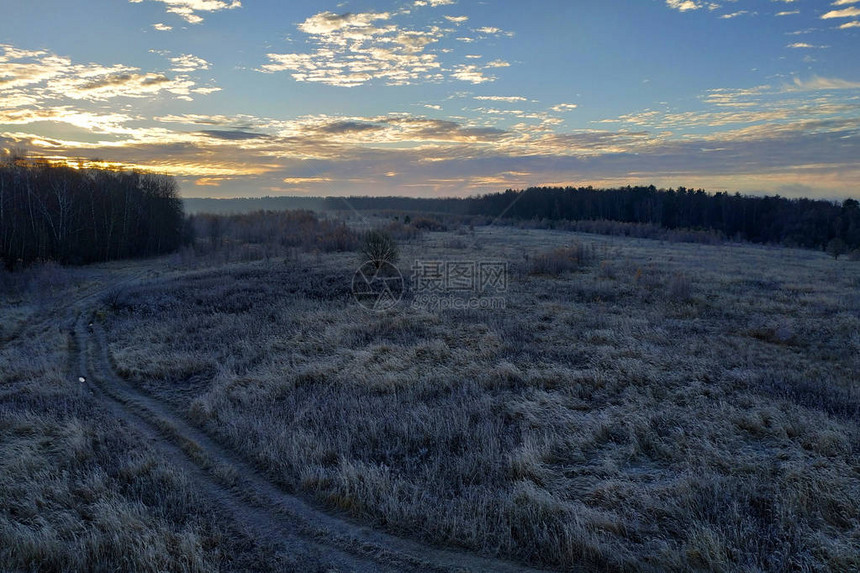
245,493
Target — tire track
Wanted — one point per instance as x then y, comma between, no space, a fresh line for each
251,498
263,522
72,305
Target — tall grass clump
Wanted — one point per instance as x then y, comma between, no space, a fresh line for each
561,260
680,288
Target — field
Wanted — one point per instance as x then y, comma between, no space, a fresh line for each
619,404
84,488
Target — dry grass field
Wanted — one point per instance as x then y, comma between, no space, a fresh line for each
632,405
80,488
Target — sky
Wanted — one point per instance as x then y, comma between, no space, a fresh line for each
245,98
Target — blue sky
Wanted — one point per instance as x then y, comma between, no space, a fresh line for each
441,97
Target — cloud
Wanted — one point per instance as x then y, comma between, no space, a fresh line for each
354,49
98,123
402,129
162,27
188,63
683,5
509,99
744,97
29,78
305,180
471,73
205,90
848,11
232,135
820,83
357,154
716,7
806,45
775,156
102,85
22,68
493,31
347,26
210,181
355,147
188,9
238,121
806,129
341,127
112,85
816,103
843,13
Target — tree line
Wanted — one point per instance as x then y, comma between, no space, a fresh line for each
78,216
277,230
794,222
807,223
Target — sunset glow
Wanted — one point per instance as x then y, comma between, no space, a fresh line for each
440,97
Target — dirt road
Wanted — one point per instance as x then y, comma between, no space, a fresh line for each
242,492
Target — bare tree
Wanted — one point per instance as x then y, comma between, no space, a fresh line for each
379,248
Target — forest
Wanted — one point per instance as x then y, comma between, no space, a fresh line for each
79,216
807,223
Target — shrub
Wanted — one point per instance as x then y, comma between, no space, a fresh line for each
561,260
608,270
428,224
680,287
117,299
378,247
402,231
336,237
274,233
836,247
42,279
